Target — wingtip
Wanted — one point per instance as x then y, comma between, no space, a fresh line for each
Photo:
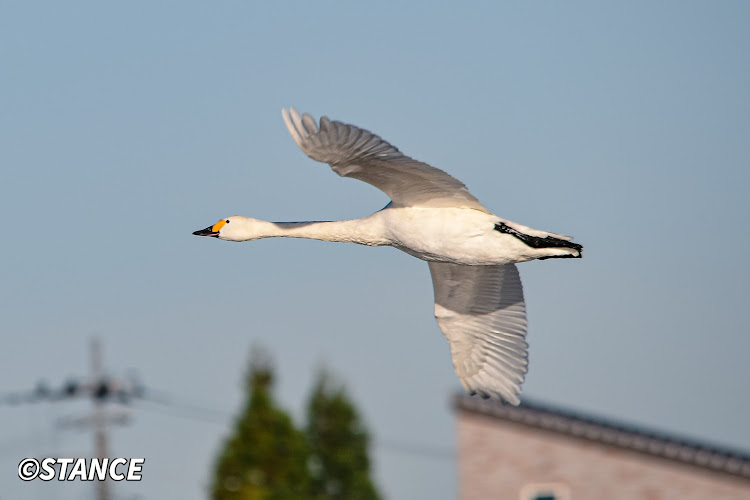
288,116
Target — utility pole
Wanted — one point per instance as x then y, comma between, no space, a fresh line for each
103,391
100,431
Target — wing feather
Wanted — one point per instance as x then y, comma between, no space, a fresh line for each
481,311
354,152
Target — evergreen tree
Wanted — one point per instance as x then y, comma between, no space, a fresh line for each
266,458
338,442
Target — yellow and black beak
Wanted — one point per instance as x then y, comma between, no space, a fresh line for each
211,230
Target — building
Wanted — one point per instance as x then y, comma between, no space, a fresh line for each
536,452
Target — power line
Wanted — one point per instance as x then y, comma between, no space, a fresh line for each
423,450
101,389
174,407
188,411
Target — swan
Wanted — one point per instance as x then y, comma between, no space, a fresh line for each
471,253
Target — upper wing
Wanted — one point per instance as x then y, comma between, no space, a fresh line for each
355,152
481,311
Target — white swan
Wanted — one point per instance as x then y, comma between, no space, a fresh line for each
479,302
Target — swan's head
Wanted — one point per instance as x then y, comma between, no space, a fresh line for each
234,228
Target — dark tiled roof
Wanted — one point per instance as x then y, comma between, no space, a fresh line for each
542,416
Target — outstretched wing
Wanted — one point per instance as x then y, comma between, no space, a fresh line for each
482,313
355,152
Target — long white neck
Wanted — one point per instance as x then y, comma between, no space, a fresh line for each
365,231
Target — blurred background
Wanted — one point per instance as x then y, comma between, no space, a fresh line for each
123,128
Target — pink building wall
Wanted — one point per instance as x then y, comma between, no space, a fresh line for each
497,459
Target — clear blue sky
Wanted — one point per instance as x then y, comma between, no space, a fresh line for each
123,128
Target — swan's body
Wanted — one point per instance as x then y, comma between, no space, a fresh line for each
479,301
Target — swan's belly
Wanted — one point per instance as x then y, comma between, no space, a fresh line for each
457,235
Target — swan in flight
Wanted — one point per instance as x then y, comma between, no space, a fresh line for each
471,252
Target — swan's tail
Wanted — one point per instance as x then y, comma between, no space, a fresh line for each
555,246
534,232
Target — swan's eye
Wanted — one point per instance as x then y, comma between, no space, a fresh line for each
227,221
